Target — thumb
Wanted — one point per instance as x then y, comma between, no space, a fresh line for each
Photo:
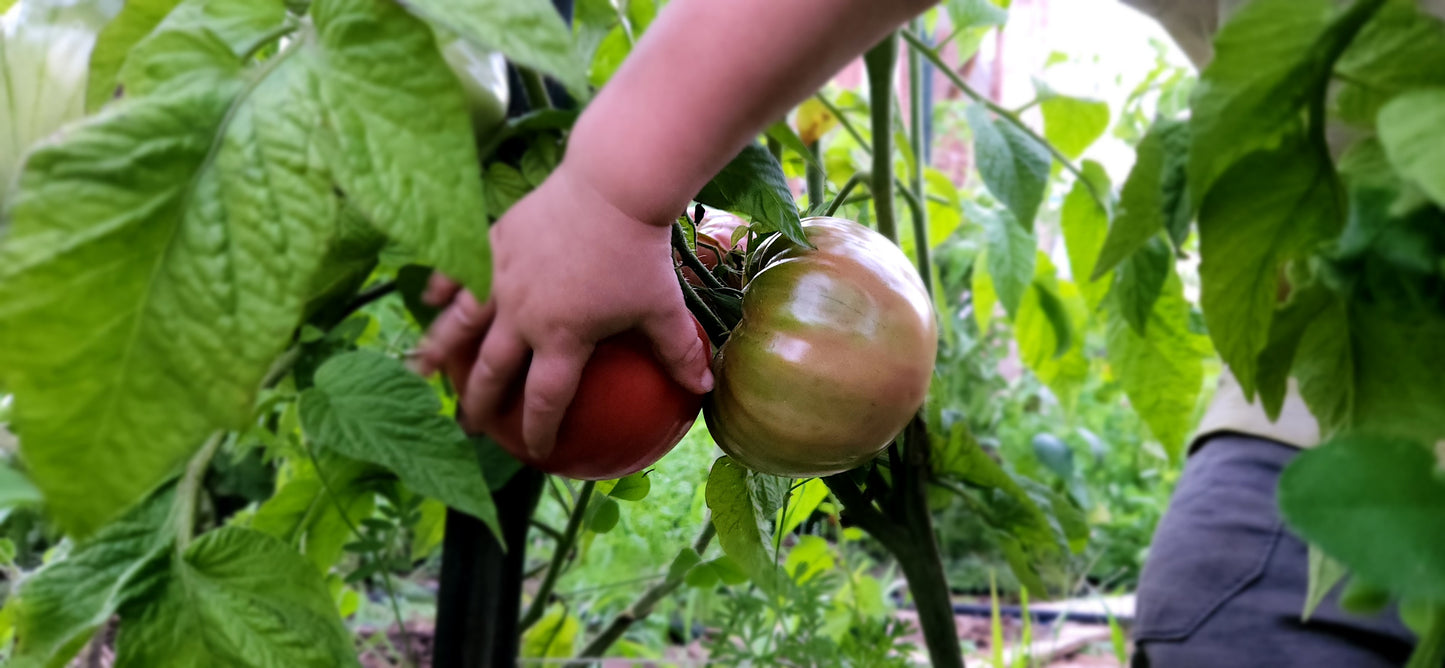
685,355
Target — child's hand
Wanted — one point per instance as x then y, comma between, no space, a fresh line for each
570,269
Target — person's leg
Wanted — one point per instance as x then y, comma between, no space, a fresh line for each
1225,581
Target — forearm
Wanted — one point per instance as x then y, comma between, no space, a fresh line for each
704,80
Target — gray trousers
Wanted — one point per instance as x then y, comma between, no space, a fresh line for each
1224,583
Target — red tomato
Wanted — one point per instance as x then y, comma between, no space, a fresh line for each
627,414
720,226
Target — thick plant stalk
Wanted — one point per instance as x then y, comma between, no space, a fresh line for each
880,61
817,186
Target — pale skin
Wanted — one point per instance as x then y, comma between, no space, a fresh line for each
587,255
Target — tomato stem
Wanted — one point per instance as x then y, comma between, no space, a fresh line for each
188,490
916,193
879,62
842,196
644,604
559,557
717,332
817,183
847,124
689,259
535,88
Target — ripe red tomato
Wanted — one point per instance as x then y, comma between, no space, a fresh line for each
627,414
831,359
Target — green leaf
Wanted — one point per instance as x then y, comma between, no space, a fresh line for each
1013,165
1140,279
430,530
1057,315
529,32
43,49
234,597
137,18
63,603
801,505
632,488
1373,504
1361,368
504,187
151,276
784,134
1285,333
1152,198
540,159
554,636
1038,335
1271,60
1410,129
306,512
984,294
1324,574
368,406
1072,124
16,489
399,138
1161,369
1009,257
603,514
752,184
739,525
1401,48
1269,207
810,557
1085,223
199,36
976,13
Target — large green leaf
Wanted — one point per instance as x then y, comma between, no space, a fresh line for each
753,185
1010,252
1013,165
738,517
197,37
368,406
136,20
1401,48
1271,60
1411,128
1285,333
400,140
15,488
1151,199
1072,124
1362,368
157,263
1162,367
306,511
1037,331
1268,208
1085,223
43,49
1139,281
234,597
528,32
1374,504
63,604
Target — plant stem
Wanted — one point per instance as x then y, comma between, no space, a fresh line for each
880,61
817,185
916,193
717,331
644,604
1430,653
842,196
535,88
689,259
559,558
188,490
843,120
923,49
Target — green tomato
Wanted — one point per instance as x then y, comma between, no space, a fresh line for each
483,75
831,359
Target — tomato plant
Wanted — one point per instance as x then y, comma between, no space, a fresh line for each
831,359
208,283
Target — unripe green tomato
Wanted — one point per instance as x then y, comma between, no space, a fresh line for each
831,359
483,75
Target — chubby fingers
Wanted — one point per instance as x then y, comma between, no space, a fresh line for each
440,290
459,326
678,347
552,381
500,362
